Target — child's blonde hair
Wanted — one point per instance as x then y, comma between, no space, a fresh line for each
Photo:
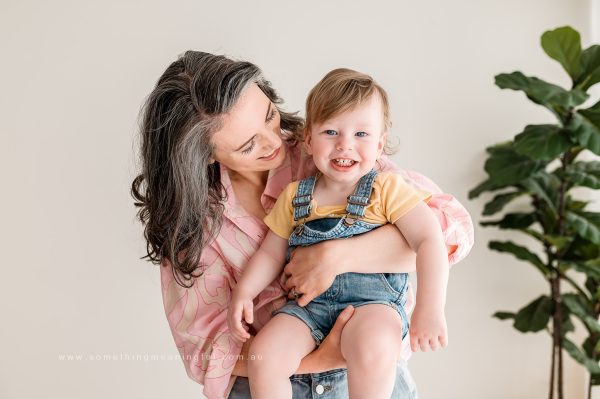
341,90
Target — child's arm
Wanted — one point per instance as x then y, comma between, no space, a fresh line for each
264,266
428,324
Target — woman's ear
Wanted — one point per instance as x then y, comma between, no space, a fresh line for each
211,160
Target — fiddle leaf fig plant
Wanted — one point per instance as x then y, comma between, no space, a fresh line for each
542,166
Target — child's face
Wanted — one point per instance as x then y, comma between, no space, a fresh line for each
346,147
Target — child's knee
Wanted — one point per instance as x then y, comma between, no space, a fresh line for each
267,357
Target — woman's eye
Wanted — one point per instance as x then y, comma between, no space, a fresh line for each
362,134
272,115
330,132
249,149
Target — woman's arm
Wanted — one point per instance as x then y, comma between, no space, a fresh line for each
312,269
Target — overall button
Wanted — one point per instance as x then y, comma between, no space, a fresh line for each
319,389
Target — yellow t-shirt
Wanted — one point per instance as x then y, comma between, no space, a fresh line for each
391,198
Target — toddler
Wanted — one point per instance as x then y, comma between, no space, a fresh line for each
347,120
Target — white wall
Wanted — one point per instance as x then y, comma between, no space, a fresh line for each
73,77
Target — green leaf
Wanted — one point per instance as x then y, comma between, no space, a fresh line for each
585,174
520,252
582,267
535,234
517,220
584,225
592,114
535,316
544,142
499,202
505,166
589,345
540,91
590,68
504,315
580,357
545,186
564,45
575,206
487,185
567,324
592,286
586,128
582,311
559,242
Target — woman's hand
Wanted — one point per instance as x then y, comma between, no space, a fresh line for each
311,271
328,355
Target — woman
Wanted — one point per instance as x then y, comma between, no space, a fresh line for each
216,152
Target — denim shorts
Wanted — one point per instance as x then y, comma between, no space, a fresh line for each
331,384
354,289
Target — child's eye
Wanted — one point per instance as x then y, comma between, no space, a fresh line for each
362,134
330,132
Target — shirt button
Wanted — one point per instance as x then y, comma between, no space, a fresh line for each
319,389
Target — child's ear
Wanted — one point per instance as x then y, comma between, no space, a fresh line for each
307,142
381,144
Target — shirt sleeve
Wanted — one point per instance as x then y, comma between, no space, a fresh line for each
398,197
197,317
455,221
281,218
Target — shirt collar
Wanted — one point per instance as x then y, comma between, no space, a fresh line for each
279,177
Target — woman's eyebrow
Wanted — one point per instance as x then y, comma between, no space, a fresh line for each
243,145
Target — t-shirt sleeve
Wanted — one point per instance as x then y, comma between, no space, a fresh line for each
398,197
281,218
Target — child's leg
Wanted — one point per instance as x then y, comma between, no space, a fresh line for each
371,342
275,354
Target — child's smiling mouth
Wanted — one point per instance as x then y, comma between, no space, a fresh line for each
343,162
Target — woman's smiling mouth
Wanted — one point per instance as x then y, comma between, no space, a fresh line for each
271,155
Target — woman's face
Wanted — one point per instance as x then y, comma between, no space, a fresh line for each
250,137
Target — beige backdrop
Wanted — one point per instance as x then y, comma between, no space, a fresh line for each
73,76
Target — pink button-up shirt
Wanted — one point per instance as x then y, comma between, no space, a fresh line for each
197,316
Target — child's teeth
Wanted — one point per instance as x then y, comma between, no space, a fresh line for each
344,162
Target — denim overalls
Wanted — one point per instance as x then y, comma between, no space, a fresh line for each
356,289
348,288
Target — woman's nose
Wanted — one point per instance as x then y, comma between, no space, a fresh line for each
269,140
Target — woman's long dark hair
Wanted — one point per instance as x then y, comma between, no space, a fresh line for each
179,192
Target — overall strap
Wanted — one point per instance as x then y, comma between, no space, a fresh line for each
358,201
302,201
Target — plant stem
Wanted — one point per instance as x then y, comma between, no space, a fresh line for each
556,297
551,394
577,288
556,336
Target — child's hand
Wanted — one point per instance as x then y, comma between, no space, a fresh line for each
428,329
239,308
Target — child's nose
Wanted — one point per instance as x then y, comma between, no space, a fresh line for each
343,143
